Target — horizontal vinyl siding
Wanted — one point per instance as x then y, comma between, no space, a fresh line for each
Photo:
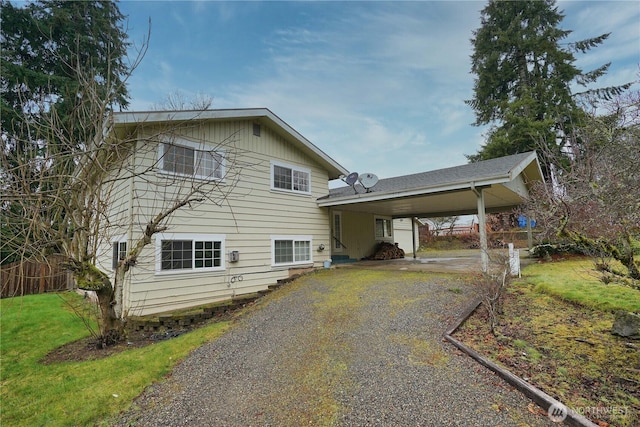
118,217
358,234
248,219
402,234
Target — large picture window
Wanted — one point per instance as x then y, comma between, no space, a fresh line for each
290,178
186,252
184,158
291,250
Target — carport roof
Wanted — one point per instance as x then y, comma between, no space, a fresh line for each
451,191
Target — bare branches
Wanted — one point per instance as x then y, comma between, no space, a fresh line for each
594,199
72,183
491,288
177,100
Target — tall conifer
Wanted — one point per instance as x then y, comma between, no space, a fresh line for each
524,73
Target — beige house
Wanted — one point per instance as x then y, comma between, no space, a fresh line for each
269,211
262,223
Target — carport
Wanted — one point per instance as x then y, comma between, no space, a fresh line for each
489,186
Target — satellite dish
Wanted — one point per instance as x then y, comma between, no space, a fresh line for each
368,180
351,178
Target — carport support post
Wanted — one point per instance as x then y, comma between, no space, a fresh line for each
413,236
529,232
482,225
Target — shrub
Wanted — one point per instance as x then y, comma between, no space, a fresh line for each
491,288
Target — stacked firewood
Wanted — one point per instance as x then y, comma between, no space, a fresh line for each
387,250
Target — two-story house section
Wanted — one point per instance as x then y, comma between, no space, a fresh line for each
260,219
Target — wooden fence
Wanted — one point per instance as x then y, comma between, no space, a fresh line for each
458,230
26,278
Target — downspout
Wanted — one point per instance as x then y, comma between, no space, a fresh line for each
482,226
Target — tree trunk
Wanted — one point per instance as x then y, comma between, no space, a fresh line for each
111,326
89,277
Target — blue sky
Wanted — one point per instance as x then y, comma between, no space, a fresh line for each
378,86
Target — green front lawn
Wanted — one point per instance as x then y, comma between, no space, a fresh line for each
575,280
74,393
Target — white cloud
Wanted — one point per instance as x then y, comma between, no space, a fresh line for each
379,86
592,19
357,86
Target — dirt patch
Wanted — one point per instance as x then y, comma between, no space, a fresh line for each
565,350
86,348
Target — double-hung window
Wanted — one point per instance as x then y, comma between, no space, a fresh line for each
290,178
189,252
288,250
384,228
119,251
183,157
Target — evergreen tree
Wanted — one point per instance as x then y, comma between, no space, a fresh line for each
48,44
523,78
49,50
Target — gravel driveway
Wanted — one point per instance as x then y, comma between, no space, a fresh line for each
346,347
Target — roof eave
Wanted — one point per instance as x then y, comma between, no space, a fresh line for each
333,168
524,164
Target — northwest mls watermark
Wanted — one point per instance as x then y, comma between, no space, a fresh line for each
559,412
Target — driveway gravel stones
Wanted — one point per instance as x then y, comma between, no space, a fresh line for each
343,347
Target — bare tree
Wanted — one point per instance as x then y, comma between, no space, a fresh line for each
178,100
452,224
594,199
58,197
491,287
442,223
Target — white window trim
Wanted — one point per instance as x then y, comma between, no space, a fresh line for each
193,237
294,238
336,246
383,238
118,239
292,167
197,147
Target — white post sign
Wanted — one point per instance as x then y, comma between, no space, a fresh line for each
514,260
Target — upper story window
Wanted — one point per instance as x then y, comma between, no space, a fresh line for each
290,178
187,158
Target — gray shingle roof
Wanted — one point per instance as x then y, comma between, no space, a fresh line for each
479,171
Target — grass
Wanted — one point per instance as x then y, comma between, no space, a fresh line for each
555,333
79,393
576,281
